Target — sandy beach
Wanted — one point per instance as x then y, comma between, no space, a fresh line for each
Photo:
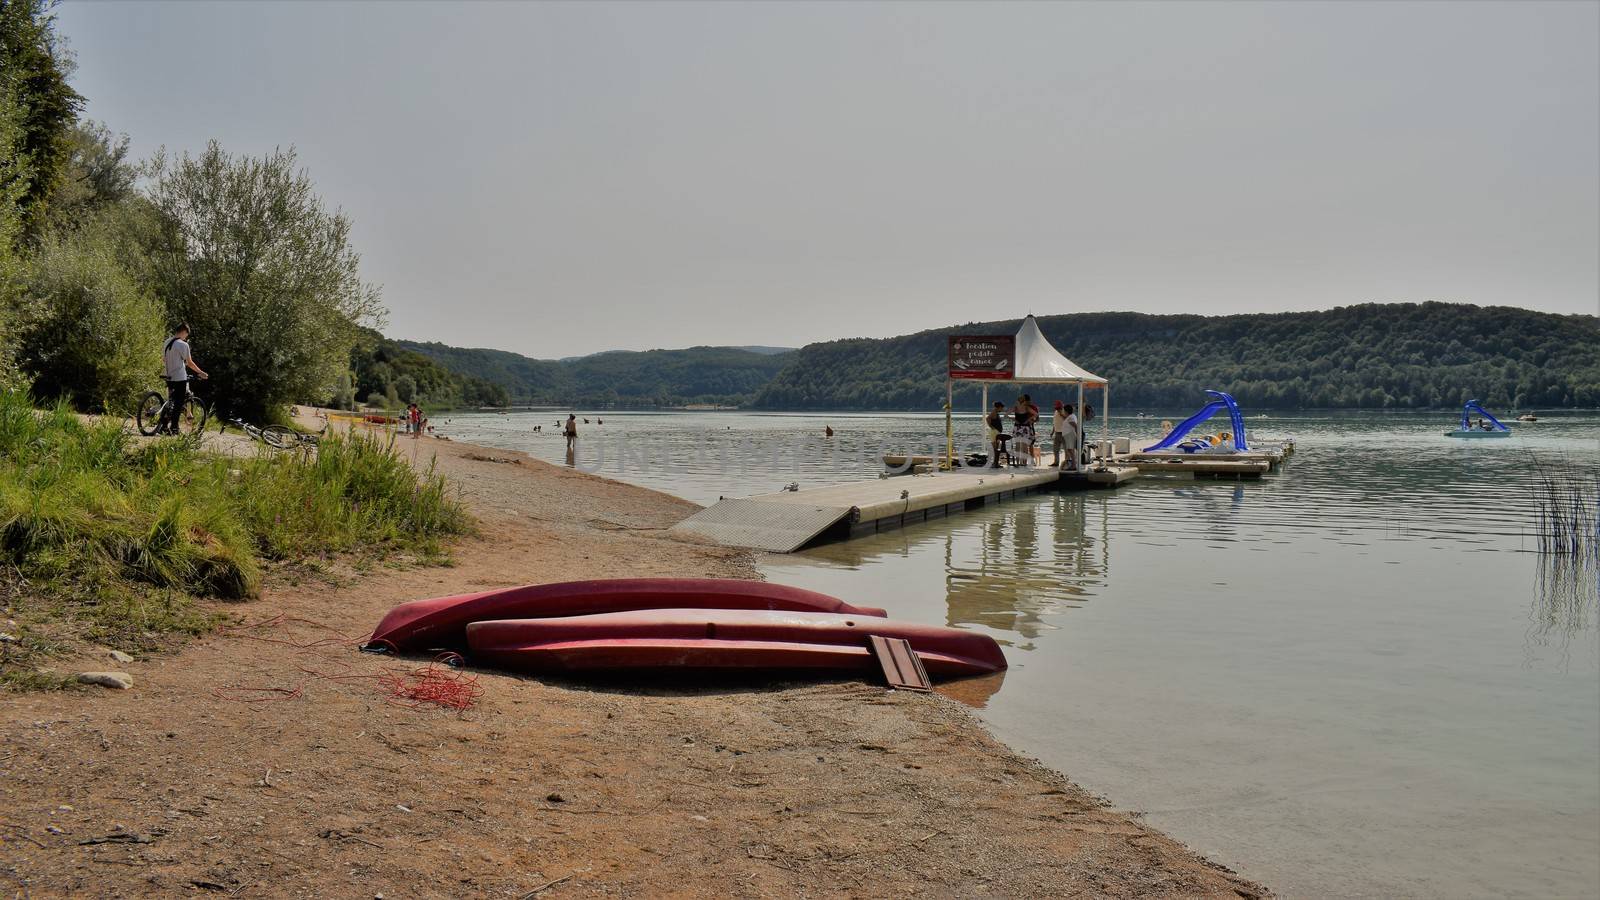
547,788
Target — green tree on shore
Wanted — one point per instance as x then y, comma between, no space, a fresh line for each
13,181
265,275
34,65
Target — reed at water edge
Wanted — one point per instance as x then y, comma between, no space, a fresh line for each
1567,501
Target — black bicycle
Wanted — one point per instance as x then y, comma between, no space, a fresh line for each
154,407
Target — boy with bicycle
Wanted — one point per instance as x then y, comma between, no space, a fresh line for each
176,365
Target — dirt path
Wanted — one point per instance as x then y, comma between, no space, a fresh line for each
547,788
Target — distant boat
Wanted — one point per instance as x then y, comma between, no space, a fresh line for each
1527,417
1488,426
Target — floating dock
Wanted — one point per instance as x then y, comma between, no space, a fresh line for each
786,521
791,520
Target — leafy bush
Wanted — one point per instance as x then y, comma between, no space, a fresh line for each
93,335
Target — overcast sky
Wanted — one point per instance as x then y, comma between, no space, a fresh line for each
559,179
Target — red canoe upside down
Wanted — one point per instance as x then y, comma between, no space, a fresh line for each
441,622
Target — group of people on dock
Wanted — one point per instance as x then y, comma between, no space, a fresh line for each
1066,434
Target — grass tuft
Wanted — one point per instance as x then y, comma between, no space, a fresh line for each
114,542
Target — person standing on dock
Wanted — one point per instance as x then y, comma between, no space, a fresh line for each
996,439
1022,419
1033,430
1066,436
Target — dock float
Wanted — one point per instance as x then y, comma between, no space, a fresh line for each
1107,476
789,520
1201,467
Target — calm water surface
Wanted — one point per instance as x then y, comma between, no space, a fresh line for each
1351,678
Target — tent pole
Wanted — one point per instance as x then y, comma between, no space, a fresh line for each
1077,452
949,424
983,414
1105,411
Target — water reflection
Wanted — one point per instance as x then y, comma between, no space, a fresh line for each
1566,598
1011,569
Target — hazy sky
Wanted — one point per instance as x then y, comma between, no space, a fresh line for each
558,179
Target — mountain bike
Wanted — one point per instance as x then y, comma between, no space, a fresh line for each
275,436
154,406
279,437
293,438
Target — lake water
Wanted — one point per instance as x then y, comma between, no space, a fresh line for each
1354,677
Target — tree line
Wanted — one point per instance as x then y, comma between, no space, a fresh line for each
101,255
1370,356
385,374
727,376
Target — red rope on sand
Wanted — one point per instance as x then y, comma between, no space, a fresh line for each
432,685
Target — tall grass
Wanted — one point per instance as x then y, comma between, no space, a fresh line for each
121,538
355,492
1567,500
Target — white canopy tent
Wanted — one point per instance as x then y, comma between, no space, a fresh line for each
1037,362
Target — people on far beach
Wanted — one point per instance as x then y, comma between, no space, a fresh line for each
571,430
413,419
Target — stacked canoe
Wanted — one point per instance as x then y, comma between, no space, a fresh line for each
671,623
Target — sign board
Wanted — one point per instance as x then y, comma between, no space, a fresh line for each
990,356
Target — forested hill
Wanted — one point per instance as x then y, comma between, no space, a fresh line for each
721,375
1370,356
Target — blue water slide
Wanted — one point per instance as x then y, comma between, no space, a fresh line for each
1466,412
1223,401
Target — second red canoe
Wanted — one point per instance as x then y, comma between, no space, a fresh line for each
720,639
